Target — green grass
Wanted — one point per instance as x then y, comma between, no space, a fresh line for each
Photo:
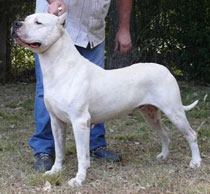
138,145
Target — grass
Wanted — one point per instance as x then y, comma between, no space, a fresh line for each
139,171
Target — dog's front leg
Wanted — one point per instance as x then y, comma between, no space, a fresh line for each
81,128
59,134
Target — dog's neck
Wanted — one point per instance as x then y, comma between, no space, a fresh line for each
53,54
50,59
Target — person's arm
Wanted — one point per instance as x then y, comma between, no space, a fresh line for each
123,38
54,5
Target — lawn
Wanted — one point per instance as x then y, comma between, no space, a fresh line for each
138,145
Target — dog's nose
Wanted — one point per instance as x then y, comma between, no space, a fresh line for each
17,24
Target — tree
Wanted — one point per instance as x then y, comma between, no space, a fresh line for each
3,36
10,10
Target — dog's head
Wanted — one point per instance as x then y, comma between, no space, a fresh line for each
38,31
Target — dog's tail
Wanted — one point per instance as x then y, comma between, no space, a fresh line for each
189,107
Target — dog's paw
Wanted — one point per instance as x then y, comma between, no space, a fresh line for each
195,164
74,182
162,156
50,172
77,181
54,170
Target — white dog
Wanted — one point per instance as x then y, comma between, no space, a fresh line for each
79,92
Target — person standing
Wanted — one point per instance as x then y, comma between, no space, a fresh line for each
86,25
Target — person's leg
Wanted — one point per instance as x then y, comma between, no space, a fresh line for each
42,141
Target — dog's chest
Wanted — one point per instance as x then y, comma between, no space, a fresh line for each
58,107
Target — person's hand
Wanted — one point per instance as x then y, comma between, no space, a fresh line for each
123,41
54,7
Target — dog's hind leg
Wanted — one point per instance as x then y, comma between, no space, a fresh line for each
178,118
81,128
59,134
152,116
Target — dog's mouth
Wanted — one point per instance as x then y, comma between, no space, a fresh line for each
32,45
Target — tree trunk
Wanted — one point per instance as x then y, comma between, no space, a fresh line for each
3,47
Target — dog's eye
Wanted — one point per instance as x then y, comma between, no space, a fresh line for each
39,23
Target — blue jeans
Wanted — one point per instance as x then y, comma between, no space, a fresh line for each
42,141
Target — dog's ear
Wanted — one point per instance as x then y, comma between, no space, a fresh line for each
62,19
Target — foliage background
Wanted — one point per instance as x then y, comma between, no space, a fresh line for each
175,33
19,61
